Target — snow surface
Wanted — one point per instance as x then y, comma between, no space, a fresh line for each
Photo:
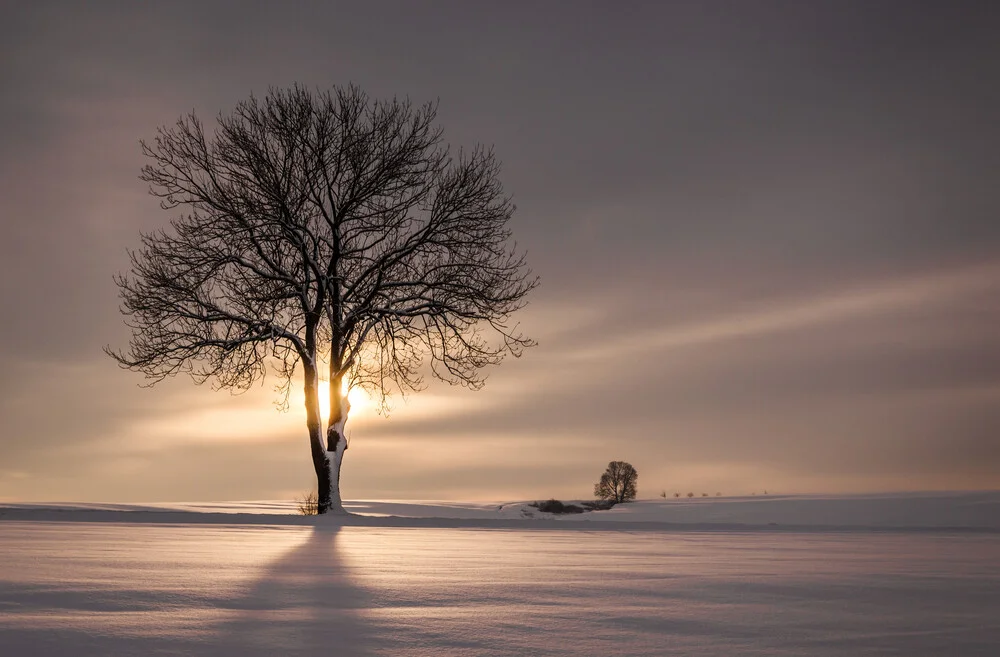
912,575
958,510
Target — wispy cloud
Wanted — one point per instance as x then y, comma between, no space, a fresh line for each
877,299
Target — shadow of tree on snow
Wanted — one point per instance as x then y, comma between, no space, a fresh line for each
302,604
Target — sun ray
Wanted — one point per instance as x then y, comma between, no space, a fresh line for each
359,399
324,401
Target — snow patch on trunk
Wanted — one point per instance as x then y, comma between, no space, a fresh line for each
335,457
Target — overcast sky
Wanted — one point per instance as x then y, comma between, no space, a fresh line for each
767,232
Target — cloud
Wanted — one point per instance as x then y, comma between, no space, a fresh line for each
875,299
768,246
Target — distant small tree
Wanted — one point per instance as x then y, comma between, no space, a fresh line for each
618,483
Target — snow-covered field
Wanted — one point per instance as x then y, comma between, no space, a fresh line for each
823,575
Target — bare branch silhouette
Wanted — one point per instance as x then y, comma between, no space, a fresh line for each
331,232
618,483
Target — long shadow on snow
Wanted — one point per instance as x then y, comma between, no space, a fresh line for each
303,604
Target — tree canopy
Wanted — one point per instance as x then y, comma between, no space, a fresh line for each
329,232
618,483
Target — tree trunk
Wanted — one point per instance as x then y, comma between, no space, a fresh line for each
316,445
323,501
336,444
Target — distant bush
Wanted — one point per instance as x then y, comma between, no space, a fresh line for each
690,494
677,494
618,483
555,506
308,504
599,505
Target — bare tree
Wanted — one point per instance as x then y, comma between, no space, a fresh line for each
328,231
618,483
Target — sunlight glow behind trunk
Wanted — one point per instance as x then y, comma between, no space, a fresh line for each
360,401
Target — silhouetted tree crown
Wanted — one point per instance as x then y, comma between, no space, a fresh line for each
326,231
618,483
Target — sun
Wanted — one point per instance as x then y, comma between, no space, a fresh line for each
359,399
